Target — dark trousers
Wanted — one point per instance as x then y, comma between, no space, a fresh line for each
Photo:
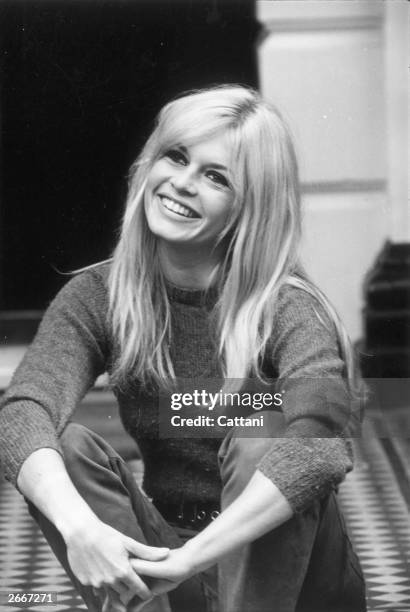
305,565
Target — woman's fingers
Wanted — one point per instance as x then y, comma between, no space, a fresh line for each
147,568
134,585
121,591
138,607
112,602
162,586
100,593
103,560
150,553
176,568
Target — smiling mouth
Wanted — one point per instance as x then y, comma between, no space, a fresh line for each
178,208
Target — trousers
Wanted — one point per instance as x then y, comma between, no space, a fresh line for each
305,565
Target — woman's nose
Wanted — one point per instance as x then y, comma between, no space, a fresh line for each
184,181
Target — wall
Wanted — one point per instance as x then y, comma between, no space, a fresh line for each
324,64
80,85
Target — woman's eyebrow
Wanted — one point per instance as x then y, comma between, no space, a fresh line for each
219,166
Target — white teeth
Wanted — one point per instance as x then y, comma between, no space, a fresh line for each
176,208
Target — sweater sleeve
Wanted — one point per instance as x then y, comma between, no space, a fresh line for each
314,453
62,363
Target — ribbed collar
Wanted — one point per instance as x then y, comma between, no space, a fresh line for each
192,297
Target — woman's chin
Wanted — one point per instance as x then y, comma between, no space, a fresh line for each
173,233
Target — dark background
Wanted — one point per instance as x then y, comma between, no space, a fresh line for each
80,85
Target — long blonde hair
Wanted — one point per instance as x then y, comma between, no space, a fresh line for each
262,236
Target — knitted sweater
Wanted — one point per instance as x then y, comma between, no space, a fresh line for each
74,345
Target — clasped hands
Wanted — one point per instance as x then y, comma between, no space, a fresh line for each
113,564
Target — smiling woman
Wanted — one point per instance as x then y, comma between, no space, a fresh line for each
204,283
187,200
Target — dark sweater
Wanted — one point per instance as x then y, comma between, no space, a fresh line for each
74,345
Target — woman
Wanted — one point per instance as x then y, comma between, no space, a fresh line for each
204,283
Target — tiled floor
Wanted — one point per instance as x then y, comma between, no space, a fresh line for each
373,498
378,519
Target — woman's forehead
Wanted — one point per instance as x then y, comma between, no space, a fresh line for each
195,127
220,139
216,148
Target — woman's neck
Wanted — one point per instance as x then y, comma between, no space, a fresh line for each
191,268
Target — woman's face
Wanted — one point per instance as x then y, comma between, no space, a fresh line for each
189,195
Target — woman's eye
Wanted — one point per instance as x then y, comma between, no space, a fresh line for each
218,178
176,156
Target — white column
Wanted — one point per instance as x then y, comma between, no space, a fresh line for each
322,63
397,61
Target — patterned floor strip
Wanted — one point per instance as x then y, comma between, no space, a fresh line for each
375,510
27,563
379,523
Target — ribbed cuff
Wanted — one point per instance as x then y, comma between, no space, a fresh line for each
305,469
16,442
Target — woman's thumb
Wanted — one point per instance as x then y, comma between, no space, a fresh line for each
142,551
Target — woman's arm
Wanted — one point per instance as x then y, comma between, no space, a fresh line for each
260,508
70,350
315,452
68,353
98,555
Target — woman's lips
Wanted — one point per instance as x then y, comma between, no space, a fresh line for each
178,208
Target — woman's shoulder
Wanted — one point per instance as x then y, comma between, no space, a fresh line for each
305,338
305,314
85,293
90,280
96,273
301,300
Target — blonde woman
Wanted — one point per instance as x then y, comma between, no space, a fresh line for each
204,283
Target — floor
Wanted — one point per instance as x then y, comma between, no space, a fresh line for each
375,499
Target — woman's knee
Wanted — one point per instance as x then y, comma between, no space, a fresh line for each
239,455
242,457
83,449
75,440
